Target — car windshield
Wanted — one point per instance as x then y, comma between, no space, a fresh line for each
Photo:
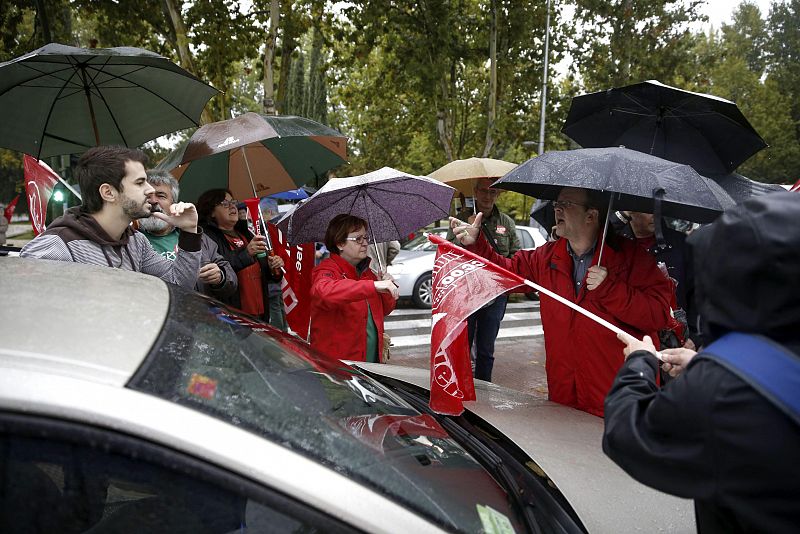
421,241
222,364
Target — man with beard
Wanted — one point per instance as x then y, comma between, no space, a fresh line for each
98,232
216,277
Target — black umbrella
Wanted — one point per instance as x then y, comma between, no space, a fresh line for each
740,188
704,131
634,179
62,100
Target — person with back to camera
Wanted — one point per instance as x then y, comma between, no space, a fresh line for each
349,301
726,431
219,217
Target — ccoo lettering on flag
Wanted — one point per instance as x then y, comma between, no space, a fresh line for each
463,282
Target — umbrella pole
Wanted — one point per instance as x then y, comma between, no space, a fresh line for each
377,252
253,185
605,228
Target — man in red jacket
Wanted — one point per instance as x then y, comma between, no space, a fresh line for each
628,290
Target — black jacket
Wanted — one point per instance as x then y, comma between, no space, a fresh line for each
239,259
708,435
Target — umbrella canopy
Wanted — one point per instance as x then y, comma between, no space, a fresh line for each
255,155
392,202
704,131
632,177
740,188
62,100
462,173
294,194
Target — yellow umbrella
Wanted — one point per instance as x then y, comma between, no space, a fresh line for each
461,173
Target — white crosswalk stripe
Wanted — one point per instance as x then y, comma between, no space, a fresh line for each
411,327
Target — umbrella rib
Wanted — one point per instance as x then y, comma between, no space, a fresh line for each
389,215
50,114
41,75
142,67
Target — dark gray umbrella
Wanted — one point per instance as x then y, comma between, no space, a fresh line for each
392,202
707,132
634,179
740,188
62,100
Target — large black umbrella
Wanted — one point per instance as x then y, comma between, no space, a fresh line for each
62,100
635,180
704,131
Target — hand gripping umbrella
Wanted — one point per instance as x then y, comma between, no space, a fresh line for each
392,202
62,100
707,132
635,181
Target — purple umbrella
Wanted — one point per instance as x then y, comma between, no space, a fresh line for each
392,202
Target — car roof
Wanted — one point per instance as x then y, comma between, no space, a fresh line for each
61,299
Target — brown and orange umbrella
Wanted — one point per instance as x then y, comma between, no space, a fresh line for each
255,155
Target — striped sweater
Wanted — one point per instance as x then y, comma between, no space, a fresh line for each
78,237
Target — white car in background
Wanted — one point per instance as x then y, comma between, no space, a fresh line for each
412,267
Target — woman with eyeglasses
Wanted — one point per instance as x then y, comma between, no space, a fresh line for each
348,300
219,217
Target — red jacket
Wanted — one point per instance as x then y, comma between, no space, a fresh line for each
339,309
583,357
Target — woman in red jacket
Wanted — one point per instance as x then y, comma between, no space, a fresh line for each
348,301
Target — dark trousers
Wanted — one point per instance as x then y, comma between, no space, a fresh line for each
482,327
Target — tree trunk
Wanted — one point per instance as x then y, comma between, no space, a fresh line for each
269,56
444,121
46,35
492,111
184,54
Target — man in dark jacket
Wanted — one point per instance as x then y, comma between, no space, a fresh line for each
710,434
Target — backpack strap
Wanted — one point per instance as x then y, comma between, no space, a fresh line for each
766,366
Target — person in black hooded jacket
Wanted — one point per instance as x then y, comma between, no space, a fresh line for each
709,435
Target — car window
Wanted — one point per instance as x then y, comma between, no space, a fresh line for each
217,362
421,242
65,477
525,240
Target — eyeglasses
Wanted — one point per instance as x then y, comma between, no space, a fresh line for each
360,239
565,204
229,203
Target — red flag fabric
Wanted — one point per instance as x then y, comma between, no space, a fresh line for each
796,186
40,180
373,429
9,211
462,283
298,262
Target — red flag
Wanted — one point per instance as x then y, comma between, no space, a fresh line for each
373,429
796,186
462,283
9,211
298,261
40,180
